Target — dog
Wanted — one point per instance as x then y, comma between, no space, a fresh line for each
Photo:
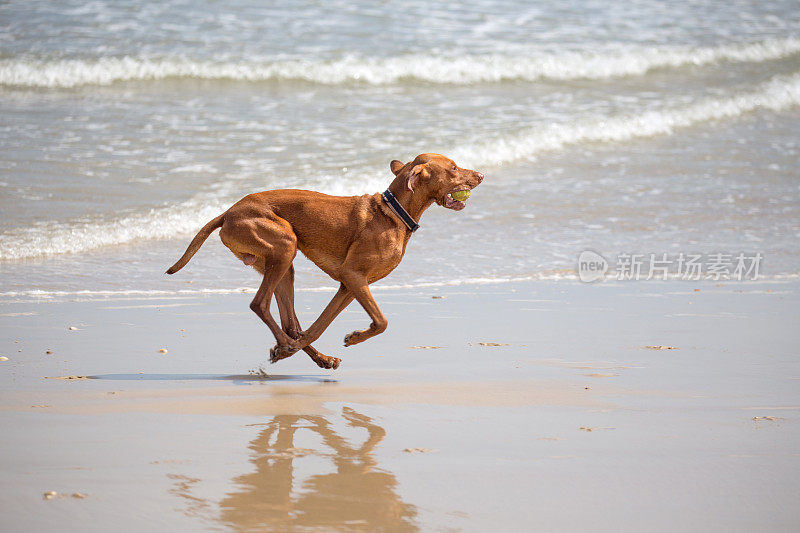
356,240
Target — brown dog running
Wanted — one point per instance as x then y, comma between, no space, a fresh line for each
356,240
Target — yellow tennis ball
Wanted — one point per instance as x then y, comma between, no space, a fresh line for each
460,196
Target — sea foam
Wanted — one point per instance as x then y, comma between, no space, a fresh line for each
121,294
184,219
54,238
430,68
779,93
27,296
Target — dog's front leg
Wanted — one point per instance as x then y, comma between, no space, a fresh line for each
360,289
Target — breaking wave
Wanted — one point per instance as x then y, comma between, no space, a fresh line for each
444,68
53,238
774,95
186,218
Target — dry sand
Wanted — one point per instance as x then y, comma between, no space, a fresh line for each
544,407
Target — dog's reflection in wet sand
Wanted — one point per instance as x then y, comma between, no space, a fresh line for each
357,495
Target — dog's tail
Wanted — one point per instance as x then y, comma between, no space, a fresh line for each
196,243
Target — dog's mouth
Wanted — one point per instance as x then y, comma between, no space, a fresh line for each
456,200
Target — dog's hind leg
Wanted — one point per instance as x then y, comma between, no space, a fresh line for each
274,245
262,299
284,296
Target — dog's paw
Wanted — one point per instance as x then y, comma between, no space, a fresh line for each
279,352
354,338
351,338
273,355
331,363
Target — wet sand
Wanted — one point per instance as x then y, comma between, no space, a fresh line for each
535,406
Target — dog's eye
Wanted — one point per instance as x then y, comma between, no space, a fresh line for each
455,167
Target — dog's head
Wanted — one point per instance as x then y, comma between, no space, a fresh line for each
437,177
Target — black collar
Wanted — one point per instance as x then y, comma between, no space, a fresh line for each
395,206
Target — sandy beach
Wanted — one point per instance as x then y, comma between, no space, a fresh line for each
546,406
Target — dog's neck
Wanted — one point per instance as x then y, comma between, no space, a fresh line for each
415,203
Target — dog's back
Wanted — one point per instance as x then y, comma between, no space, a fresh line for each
324,225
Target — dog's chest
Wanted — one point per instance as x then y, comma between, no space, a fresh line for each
385,256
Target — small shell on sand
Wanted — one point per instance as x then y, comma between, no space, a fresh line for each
73,328
49,352
660,347
50,494
417,450
162,350
66,377
493,344
78,495
425,347
3,358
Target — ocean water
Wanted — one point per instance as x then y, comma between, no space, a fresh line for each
630,127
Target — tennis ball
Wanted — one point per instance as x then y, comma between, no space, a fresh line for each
460,196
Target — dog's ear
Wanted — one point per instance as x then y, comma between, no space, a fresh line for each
417,173
396,166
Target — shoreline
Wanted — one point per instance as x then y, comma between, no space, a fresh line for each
566,276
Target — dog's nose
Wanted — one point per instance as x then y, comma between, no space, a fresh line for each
480,177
